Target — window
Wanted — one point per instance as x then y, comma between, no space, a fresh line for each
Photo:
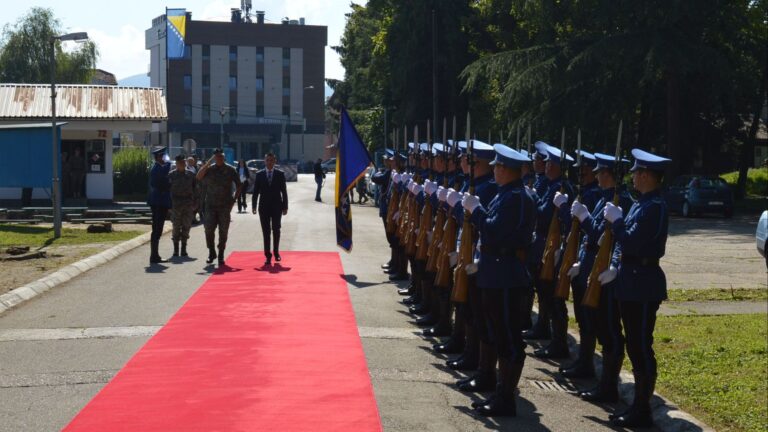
233,114
187,112
206,82
286,86
187,51
259,83
259,54
187,82
259,110
232,53
206,52
206,113
287,110
286,57
233,82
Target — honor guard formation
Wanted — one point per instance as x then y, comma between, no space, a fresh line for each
482,230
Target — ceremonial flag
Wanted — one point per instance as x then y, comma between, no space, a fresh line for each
351,161
175,30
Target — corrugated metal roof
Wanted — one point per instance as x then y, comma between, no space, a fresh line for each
33,101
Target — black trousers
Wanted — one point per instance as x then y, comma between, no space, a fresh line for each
242,203
270,224
605,321
159,214
500,306
475,312
639,319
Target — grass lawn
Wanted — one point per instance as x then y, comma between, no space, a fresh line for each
716,368
34,236
717,294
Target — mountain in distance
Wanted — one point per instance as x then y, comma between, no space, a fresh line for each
140,80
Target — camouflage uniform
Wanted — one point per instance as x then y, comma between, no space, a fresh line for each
183,197
218,182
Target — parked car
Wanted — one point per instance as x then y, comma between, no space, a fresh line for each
329,165
256,164
693,195
761,234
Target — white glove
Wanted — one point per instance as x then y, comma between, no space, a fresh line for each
417,188
579,210
442,194
430,187
405,177
608,276
407,183
574,270
453,197
396,216
453,258
612,213
560,199
470,202
397,178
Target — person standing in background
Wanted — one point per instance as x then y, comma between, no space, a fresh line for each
159,200
245,176
319,178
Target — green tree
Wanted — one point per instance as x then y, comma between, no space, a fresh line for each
25,52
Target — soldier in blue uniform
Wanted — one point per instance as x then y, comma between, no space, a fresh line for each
159,201
641,239
506,227
479,351
604,322
383,179
590,194
553,315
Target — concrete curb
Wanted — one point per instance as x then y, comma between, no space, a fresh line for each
33,289
667,416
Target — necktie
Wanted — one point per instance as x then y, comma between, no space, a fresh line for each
269,177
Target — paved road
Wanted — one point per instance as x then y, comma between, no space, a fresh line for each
59,349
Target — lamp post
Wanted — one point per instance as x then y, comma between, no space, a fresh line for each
56,181
223,111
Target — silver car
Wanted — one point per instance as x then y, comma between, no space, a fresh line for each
761,234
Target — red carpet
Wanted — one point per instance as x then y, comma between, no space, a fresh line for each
252,350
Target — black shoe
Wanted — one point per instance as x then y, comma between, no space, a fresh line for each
211,256
426,321
478,383
537,333
601,394
450,347
386,266
403,292
462,364
578,370
176,248
478,403
277,257
268,262
498,407
399,277
221,256
412,300
157,260
618,414
419,309
634,418
437,331
552,352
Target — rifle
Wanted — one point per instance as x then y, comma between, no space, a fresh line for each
413,219
403,206
553,234
425,224
603,258
437,237
563,288
460,277
448,240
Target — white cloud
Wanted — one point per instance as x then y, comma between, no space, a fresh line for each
122,52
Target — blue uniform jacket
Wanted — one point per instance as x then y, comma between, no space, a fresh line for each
593,227
505,226
544,211
383,179
642,234
159,186
541,184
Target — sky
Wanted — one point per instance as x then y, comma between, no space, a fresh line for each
118,27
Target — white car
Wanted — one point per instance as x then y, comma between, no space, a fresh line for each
762,234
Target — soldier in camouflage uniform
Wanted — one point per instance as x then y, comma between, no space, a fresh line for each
183,197
218,180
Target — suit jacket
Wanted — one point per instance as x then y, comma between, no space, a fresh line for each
274,196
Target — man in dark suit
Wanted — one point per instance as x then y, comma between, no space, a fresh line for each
270,185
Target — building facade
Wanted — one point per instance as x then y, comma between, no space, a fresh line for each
256,87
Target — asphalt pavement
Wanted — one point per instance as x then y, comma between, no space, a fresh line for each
59,349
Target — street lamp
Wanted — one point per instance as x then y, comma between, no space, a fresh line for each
56,186
223,111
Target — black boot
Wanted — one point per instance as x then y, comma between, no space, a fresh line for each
607,389
221,256
443,326
470,357
184,248
211,255
558,346
583,366
485,379
639,414
175,248
455,344
541,329
503,405
154,255
525,313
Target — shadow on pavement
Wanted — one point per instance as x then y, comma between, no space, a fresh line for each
273,268
155,268
527,418
352,280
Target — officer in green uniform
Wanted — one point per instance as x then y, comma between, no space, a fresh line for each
218,180
183,197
